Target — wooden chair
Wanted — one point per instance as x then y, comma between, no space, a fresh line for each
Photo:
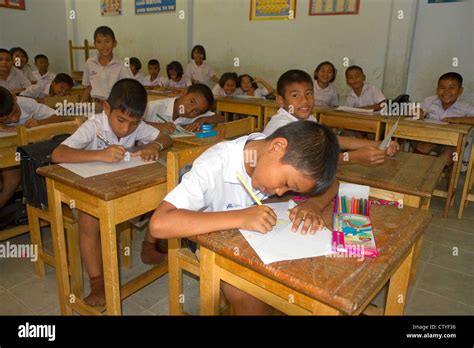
179,258
76,74
466,195
52,101
234,129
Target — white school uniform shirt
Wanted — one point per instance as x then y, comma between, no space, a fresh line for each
85,137
40,90
218,91
183,83
102,78
139,77
28,72
16,80
164,108
201,73
328,96
30,108
211,184
46,78
282,118
434,109
159,81
369,95
260,92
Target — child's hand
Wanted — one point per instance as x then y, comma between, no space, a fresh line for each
393,148
32,123
452,120
259,218
257,79
369,156
151,152
195,126
168,127
113,154
308,213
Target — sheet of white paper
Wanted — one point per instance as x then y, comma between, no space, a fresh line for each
89,169
282,244
353,190
357,110
243,96
425,120
384,144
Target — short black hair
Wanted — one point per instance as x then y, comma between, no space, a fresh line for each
227,76
292,76
320,65
239,81
154,62
451,76
128,96
104,31
64,78
354,67
203,90
176,66
6,102
136,62
19,49
41,56
200,49
312,149
4,50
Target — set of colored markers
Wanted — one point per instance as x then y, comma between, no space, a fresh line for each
351,205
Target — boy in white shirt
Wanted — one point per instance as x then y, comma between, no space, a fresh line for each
362,95
190,110
300,157
10,77
42,75
103,70
227,86
59,87
153,79
121,125
296,100
16,111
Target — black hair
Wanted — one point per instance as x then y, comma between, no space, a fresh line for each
104,31
227,76
203,90
154,62
40,56
19,49
136,62
176,66
320,65
451,76
6,102
64,78
292,76
239,81
3,50
354,67
200,49
312,149
128,96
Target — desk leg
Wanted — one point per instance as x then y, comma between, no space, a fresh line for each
415,262
398,287
59,247
454,175
209,283
110,266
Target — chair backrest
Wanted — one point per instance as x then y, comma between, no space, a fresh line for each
32,135
9,139
233,129
72,48
52,101
177,160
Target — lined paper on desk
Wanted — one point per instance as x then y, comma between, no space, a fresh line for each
282,244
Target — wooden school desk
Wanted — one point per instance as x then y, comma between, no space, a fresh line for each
321,285
195,141
443,134
156,93
353,121
244,106
113,198
8,145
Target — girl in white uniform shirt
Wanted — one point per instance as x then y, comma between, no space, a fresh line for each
325,93
197,70
20,61
135,67
176,77
227,86
249,86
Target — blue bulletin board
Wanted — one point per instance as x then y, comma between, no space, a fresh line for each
154,6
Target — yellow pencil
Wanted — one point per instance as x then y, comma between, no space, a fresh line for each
247,187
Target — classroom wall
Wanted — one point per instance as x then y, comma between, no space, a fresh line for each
443,31
41,28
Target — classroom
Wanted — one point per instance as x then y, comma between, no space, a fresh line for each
138,140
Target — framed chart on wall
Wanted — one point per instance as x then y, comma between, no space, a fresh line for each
15,4
161,6
110,7
272,9
333,7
